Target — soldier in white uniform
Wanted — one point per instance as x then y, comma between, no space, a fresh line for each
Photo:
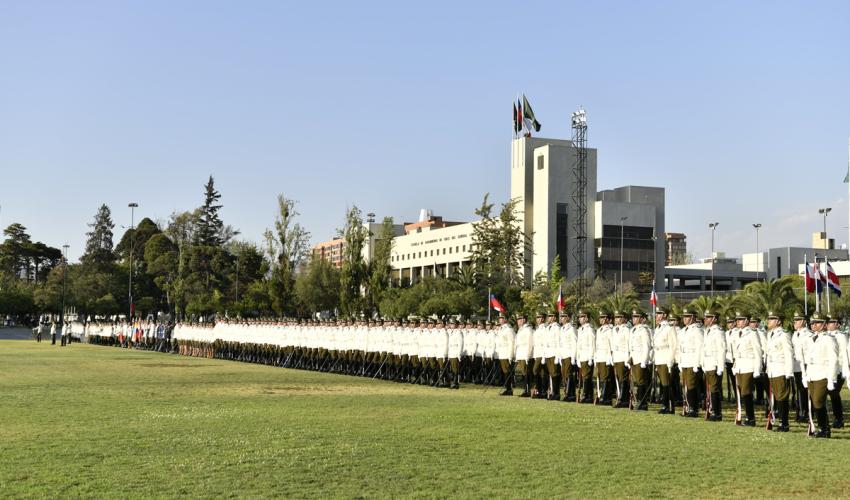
585,349
780,368
602,359
689,357
523,353
567,352
799,340
664,353
455,352
748,361
832,324
504,352
620,356
551,346
640,355
731,332
540,382
821,373
713,364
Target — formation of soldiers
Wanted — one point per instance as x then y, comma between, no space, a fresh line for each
618,360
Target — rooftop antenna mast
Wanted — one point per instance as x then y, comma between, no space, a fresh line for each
579,139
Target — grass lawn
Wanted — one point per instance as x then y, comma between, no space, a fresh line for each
98,421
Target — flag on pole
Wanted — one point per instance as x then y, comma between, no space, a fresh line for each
516,119
832,280
528,117
495,304
560,303
812,278
653,299
518,125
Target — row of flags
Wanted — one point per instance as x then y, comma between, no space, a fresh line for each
561,303
524,119
817,280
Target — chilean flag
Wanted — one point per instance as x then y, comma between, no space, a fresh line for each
814,279
495,304
832,280
653,298
560,303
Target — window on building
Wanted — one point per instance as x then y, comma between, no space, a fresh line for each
540,162
450,249
561,232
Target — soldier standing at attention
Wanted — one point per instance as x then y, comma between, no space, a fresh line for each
620,356
640,353
455,352
585,348
505,342
747,367
799,341
832,324
731,334
553,340
523,353
689,357
540,385
713,363
821,372
664,351
602,360
780,368
567,353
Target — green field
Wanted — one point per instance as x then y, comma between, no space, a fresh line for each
97,421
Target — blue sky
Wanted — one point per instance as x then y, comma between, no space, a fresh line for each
739,109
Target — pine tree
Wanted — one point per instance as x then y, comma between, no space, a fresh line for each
353,268
209,226
99,249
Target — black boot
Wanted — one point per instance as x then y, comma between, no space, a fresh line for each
823,423
556,389
691,396
783,407
623,400
642,397
509,387
570,389
666,407
526,391
837,412
716,407
750,410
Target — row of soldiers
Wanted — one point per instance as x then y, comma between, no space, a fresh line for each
613,362
138,334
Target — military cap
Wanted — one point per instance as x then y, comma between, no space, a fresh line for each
730,318
754,317
452,321
638,312
619,314
709,313
799,315
541,313
660,310
833,318
564,313
818,318
604,314
673,316
552,313
687,312
740,315
773,315
582,312
520,315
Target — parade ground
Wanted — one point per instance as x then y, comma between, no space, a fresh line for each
105,422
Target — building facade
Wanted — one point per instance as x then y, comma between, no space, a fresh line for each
676,248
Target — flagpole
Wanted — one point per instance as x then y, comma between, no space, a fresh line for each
489,305
826,260
817,282
805,286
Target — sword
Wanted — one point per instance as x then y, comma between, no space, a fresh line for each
770,417
379,368
738,411
811,430
707,399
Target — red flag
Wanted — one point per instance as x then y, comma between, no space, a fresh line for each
495,304
653,299
561,305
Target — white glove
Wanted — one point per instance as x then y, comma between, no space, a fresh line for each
558,361
670,366
756,374
789,377
629,367
830,385
805,384
643,365
575,363
720,372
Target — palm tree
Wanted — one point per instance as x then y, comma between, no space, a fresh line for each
774,295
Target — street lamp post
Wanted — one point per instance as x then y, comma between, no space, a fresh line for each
825,212
757,226
64,275
132,206
712,226
622,220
